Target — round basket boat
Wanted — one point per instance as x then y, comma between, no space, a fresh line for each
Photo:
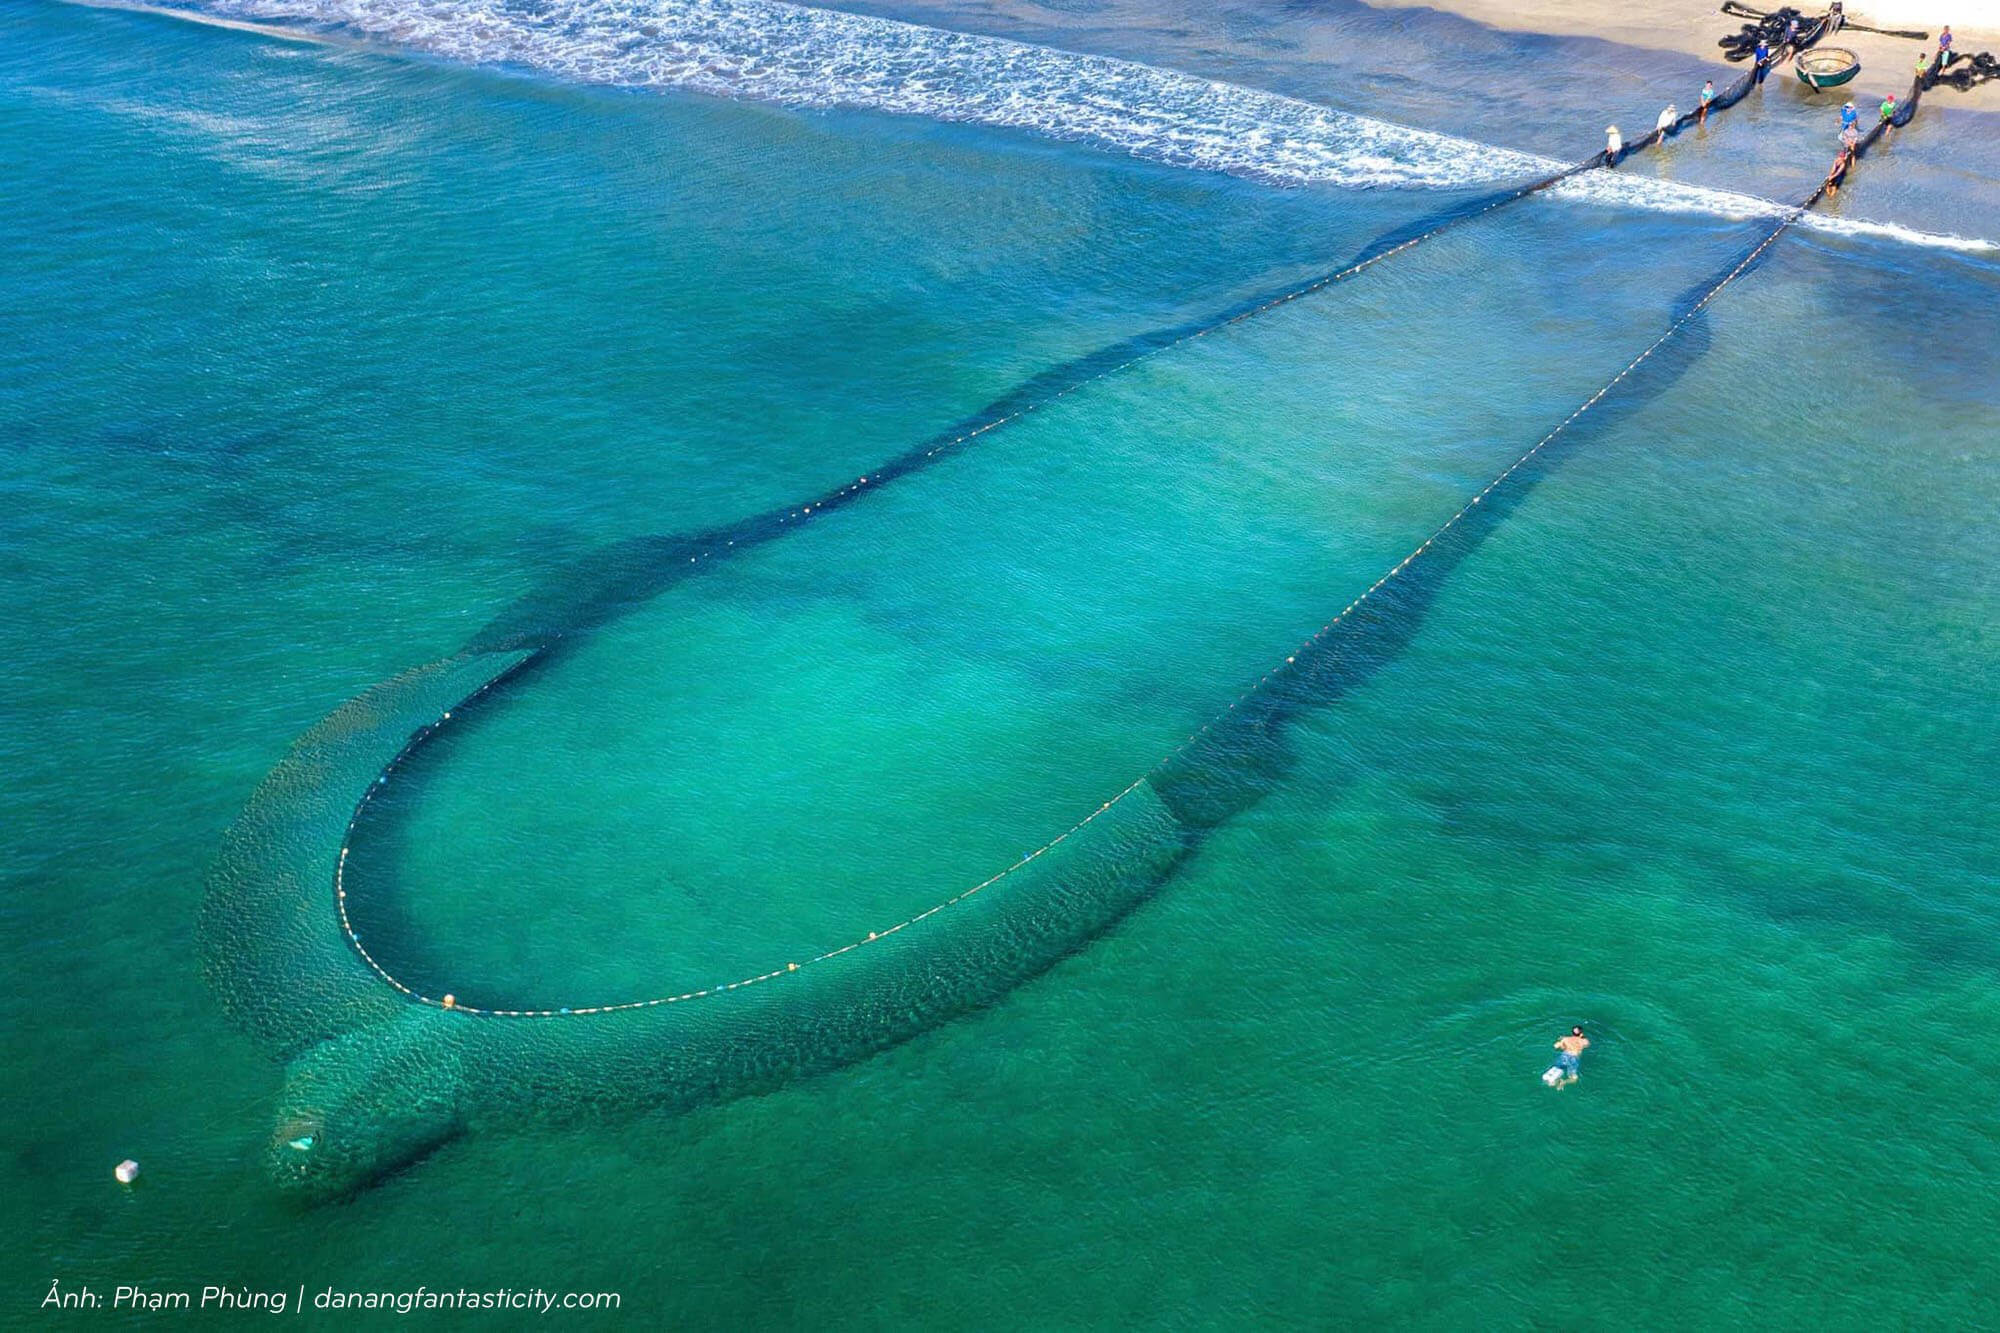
1826,67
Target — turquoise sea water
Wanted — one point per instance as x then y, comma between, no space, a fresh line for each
321,356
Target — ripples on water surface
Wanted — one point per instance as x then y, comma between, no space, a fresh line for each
353,350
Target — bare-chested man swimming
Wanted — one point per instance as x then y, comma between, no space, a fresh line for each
1569,1050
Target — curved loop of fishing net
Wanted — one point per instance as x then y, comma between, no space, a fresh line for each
383,1087
256,915
374,1080
260,930
1233,759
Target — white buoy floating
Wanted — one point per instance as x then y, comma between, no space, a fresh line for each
127,1171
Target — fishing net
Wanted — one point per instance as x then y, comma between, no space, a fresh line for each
1835,21
378,1074
267,932
1246,752
1772,30
375,1080
1964,72
367,1100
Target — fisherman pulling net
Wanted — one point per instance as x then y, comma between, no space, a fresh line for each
1771,31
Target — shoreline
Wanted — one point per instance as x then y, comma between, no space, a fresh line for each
1693,27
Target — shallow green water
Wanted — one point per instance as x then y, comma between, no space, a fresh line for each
319,359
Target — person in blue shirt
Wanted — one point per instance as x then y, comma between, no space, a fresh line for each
1944,46
1707,96
1848,116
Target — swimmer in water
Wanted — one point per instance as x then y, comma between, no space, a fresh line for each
1569,1051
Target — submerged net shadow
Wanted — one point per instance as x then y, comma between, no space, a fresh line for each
388,1086
374,1080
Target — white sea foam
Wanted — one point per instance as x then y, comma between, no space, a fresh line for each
1896,232
800,56
769,50
1625,189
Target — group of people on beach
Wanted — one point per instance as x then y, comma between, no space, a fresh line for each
1850,132
1850,126
1928,69
1670,117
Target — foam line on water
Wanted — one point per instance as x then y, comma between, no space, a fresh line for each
769,50
1627,190
799,56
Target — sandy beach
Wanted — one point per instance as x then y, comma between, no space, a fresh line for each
1694,26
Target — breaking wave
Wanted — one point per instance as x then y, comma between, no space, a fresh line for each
1626,190
795,55
798,56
